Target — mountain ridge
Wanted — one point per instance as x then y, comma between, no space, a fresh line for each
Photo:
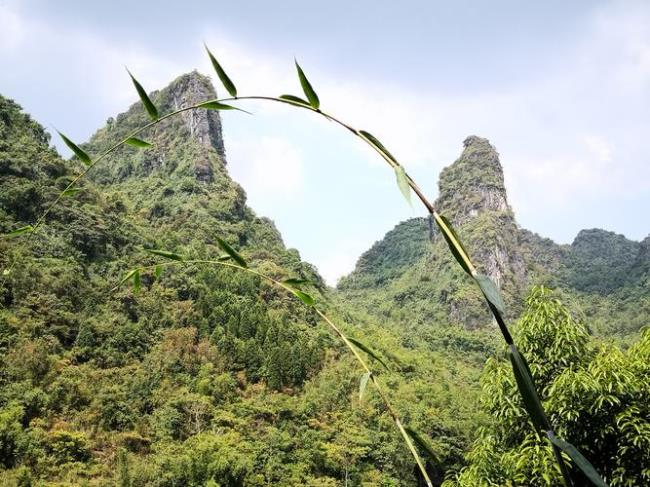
472,194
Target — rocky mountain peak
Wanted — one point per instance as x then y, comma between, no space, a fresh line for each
473,183
203,125
190,144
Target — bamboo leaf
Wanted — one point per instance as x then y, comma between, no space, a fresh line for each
362,384
295,100
368,350
81,155
527,389
127,276
136,281
71,192
146,101
293,281
217,105
454,242
581,462
378,145
166,254
491,292
158,271
403,183
223,258
423,443
225,80
139,143
307,88
231,252
19,231
304,297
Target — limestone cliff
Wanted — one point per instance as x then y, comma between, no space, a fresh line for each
409,269
188,145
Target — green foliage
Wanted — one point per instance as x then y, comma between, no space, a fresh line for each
67,447
81,155
307,88
11,434
596,396
402,183
209,376
225,80
144,98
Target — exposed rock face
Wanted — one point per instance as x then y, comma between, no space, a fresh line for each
472,194
203,125
191,144
416,267
473,184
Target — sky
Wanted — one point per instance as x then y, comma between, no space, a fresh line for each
561,89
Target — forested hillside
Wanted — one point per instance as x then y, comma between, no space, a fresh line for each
204,376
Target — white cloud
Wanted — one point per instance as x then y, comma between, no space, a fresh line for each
268,167
94,82
598,147
12,32
341,258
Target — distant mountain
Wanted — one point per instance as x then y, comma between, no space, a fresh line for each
410,268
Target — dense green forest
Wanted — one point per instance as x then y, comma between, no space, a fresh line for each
207,376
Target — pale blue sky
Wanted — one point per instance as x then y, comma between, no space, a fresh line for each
562,89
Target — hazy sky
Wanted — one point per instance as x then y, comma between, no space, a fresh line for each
562,89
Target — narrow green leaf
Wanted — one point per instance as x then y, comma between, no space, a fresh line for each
362,384
146,101
223,258
158,271
368,350
225,80
295,100
136,281
307,88
423,443
454,242
403,183
378,145
304,297
581,462
527,389
491,292
139,143
166,254
217,105
129,275
71,192
231,252
19,231
293,281
81,155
